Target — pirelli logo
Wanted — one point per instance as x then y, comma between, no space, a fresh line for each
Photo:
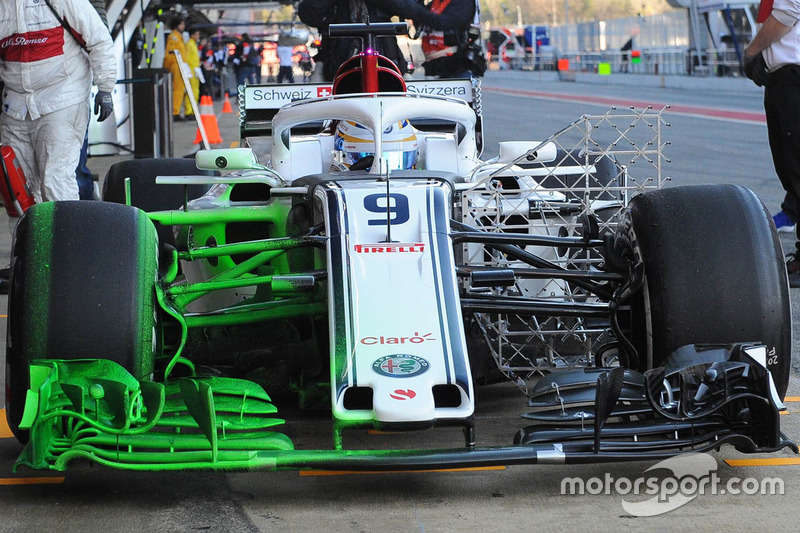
389,248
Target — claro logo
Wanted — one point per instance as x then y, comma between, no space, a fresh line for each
414,339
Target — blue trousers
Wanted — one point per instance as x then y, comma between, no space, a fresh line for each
82,173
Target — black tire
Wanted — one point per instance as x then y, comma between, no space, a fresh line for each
73,296
714,273
148,196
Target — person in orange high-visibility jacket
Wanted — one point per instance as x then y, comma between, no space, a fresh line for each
175,42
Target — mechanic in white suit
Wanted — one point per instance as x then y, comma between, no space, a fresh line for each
48,73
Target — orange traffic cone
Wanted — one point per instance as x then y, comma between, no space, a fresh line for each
226,107
209,122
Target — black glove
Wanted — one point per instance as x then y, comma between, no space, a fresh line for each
755,68
103,105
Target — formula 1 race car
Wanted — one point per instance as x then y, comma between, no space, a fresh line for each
377,268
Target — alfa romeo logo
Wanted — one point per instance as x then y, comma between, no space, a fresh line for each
400,366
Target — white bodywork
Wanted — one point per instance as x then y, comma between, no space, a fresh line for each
396,325
397,342
375,113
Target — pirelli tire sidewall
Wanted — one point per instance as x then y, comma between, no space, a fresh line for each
713,273
83,278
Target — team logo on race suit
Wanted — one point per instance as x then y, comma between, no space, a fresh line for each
400,366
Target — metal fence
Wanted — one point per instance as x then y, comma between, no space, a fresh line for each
662,43
667,30
589,169
665,61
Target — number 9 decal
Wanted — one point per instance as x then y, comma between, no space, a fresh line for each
398,207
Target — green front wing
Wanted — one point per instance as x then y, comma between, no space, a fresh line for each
94,409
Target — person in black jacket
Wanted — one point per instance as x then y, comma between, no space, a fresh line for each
333,52
772,61
245,61
450,32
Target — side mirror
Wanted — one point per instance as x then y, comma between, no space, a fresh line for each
227,159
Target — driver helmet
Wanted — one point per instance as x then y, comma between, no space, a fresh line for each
355,142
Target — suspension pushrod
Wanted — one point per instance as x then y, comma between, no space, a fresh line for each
547,273
519,254
486,237
249,247
516,307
